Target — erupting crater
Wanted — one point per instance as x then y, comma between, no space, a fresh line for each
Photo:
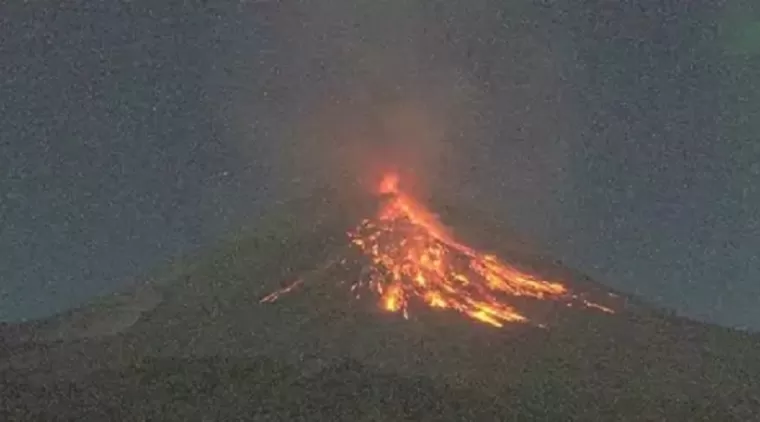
406,255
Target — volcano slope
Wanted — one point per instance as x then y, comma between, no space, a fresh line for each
195,343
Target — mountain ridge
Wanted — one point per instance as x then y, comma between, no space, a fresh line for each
584,365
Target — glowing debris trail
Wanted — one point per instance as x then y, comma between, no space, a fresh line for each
272,297
410,256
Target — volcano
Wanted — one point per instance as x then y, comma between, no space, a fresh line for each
380,308
405,254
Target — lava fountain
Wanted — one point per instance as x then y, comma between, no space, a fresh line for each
407,255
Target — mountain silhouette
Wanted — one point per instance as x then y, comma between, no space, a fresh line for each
194,343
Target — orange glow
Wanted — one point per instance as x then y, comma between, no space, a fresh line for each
409,256
414,257
389,184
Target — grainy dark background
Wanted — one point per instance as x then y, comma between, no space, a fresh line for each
620,135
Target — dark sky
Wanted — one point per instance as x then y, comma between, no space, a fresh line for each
668,203
619,134
112,148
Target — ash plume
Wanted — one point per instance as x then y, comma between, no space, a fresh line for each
462,102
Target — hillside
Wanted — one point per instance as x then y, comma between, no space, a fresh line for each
194,343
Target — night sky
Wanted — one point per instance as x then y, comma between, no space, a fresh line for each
620,135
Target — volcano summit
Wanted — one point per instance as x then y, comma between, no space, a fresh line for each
409,255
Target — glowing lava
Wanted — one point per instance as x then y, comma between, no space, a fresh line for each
409,256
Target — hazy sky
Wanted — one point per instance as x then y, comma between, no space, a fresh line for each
112,146
619,136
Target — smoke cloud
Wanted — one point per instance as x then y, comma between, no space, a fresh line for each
376,90
463,99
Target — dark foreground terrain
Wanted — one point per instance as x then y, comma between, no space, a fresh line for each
195,344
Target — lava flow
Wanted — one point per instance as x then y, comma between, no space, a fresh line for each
409,256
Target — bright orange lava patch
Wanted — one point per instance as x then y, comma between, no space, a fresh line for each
412,257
